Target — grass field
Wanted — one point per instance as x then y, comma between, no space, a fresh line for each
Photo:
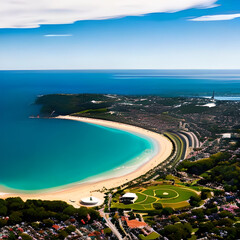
152,236
175,196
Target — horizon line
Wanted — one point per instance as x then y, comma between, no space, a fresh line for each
104,69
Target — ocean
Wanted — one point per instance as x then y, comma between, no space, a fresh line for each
37,154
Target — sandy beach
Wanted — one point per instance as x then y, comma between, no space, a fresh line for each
72,194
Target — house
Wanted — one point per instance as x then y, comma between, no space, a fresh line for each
135,224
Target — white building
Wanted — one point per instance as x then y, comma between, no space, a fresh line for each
89,201
129,198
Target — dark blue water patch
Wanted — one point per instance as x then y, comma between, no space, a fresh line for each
161,82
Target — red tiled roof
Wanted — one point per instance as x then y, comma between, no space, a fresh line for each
56,227
135,223
93,234
20,229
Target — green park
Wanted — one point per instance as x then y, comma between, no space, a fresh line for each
174,196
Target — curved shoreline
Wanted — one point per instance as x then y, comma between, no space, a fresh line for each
75,192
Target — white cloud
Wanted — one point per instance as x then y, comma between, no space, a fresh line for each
58,35
222,17
33,13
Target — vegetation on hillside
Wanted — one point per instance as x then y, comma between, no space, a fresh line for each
219,168
203,165
39,210
63,104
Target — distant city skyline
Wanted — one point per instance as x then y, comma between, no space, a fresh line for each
126,34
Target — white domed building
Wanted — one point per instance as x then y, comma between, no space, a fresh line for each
90,201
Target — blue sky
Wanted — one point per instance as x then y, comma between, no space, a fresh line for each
197,37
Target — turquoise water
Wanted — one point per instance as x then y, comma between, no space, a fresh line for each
37,154
45,153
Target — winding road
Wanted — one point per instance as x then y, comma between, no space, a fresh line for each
110,225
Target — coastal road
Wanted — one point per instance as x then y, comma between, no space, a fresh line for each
109,201
197,143
121,226
190,138
185,145
110,225
183,142
188,141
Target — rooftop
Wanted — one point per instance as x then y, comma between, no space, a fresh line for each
129,195
135,223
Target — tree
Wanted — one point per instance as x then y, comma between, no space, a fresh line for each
15,217
174,218
2,202
48,222
30,215
70,229
225,222
43,214
94,214
35,225
205,194
70,210
131,216
194,201
55,206
206,227
198,213
3,210
107,231
224,214
82,212
12,236
3,222
167,211
25,236
120,210
15,203
157,206
61,216
33,203
177,231
62,234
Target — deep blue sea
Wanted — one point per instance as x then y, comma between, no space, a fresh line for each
43,153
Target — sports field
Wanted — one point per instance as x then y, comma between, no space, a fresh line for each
173,196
